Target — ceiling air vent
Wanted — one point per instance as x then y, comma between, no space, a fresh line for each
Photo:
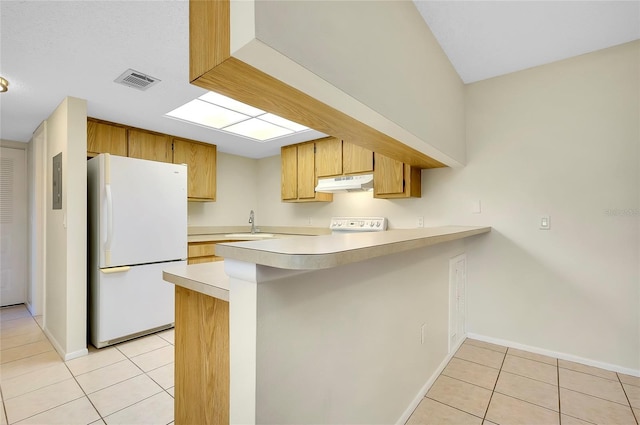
136,80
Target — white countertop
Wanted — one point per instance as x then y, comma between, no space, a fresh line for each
320,252
206,278
310,253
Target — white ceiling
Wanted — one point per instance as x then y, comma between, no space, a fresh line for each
49,50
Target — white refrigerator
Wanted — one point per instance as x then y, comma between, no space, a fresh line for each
137,227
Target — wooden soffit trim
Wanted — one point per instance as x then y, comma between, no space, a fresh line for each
212,67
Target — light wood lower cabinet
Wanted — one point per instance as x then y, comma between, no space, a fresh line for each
393,179
201,359
202,252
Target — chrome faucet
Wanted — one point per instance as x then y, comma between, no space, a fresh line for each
252,220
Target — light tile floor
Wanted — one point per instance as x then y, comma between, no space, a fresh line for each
132,383
129,383
490,384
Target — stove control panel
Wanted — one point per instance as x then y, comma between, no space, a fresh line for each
358,224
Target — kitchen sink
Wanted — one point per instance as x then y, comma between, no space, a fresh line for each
257,235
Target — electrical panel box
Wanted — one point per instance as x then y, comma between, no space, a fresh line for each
57,182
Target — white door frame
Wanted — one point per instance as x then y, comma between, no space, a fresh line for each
37,155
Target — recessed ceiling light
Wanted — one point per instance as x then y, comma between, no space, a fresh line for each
258,129
234,105
274,119
223,113
207,114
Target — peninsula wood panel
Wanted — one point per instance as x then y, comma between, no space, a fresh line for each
106,138
209,35
201,359
289,178
218,71
151,146
356,159
201,166
328,157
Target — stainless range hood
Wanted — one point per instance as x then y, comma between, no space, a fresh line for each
358,183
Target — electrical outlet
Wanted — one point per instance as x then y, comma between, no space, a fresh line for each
420,222
423,331
309,221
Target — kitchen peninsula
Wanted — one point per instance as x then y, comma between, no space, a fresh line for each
321,329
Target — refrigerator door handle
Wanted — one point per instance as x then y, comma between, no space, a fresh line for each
116,269
107,244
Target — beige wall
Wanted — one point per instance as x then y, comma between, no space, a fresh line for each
237,179
409,90
560,139
65,317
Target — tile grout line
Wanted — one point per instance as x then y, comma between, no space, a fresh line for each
4,409
484,418
448,405
628,401
81,389
559,403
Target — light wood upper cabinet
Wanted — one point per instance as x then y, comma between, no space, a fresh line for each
328,157
105,138
393,179
306,171
151,146
201,164
117,139
356,159
289,180
298,174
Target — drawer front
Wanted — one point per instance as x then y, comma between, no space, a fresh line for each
201,249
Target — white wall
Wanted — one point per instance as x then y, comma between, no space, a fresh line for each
343,345
65,318
560,139
237,179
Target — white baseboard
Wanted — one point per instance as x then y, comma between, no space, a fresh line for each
423,391
76,354
65,356
562,356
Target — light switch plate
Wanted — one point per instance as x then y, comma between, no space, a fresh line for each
545,222
476,207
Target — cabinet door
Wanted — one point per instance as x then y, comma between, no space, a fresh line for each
289,181
328,157
151,146
201,165
306,171
356,159
106,138
393,179
388,176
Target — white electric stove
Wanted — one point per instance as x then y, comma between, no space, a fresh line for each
357,224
